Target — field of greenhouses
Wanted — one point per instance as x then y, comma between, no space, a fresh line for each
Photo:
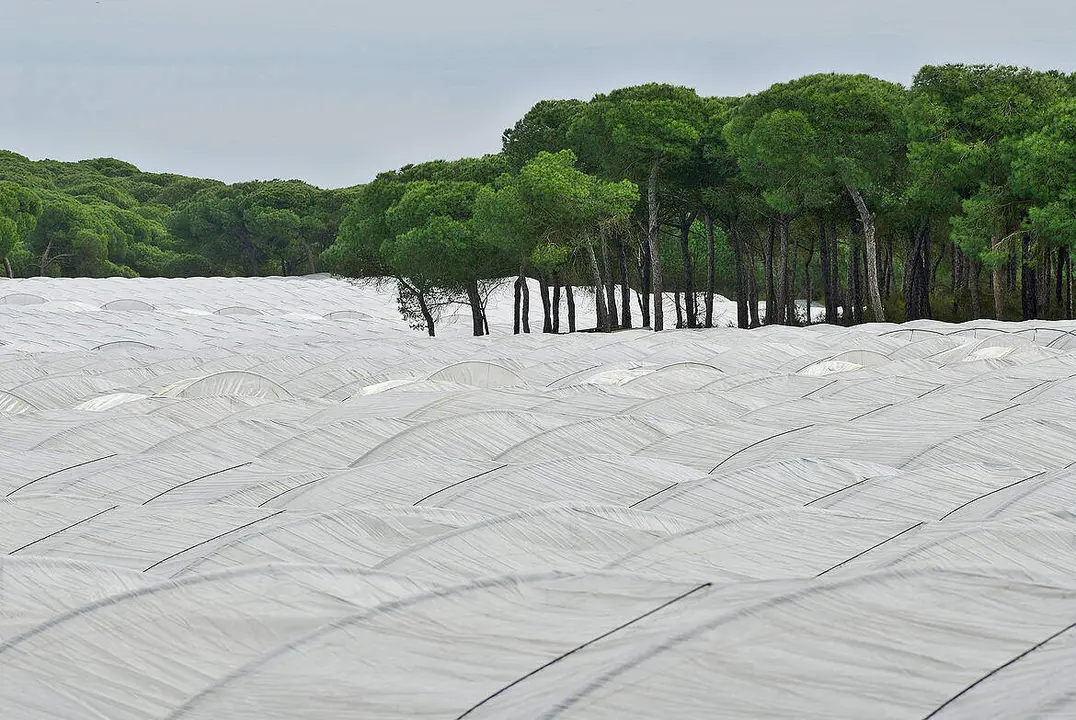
269,498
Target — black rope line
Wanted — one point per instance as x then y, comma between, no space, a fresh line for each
460,482
872,547
988,494
759,442
576,649
202,477
64,529
57,472
209,540
998,669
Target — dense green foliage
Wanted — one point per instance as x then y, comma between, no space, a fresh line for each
874,200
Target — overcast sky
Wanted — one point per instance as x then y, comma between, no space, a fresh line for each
332,91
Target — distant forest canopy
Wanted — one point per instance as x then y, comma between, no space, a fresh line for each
952,199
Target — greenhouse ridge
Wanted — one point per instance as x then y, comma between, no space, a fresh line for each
269,498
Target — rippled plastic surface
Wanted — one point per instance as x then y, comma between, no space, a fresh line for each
269,499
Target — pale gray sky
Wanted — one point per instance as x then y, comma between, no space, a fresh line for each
332,91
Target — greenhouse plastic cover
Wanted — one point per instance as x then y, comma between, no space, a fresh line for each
270,498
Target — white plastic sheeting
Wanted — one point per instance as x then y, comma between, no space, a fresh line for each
268,498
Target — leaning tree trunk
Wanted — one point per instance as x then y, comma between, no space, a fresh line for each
10,273
474,299
654,241
873,289
625,287
711,272
426,314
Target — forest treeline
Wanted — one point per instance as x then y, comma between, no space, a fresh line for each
954,198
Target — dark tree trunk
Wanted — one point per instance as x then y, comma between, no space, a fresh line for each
711,272
601,312
644,273
7,266
835,269
856,288
427,316
772,308
752,285
1059,277
824,271
689,275
625,287
548,319
474,299
917,274
518,305
1028,281
807,281
570,297
654,240
610,287
679,310
526,303
1068,286
975,268
744,279
554,324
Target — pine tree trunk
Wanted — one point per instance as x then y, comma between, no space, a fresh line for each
823,263
855,289
610,286
7,266
771,288
1059,279
1028,281
554,325
1068,286
518,304
474,299
807,281
549,310
526,310
654,240
835,268
644,274
625,288
570,297
743,278
873,288
973,288
711,274
600,310
999,305
426,314
689,275
752,289
781,303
